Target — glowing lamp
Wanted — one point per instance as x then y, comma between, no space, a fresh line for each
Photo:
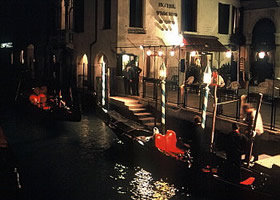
228,54
172,53
261,54
149,52
193,53
160,53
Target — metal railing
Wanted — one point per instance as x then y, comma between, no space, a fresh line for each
191,96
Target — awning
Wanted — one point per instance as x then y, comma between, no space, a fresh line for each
203,43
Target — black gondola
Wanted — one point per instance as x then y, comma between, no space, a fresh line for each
139,140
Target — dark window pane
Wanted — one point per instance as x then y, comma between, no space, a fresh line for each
189,15
107,14
136,13
78,16
223,18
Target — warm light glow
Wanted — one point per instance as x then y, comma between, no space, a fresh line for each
228,54
207,75
85,60
160,53
193,53
125,58
172,52
149,52
21,57
261,54
141,47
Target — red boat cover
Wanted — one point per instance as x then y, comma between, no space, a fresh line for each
160,142
167,143
248,181
33,99
171,141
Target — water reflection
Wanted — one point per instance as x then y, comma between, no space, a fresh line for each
138,183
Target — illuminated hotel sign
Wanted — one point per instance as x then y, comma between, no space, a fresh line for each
166,6
6,45
167,11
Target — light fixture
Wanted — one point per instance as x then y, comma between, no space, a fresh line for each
172,52
160,53
228,54
193,53
141,47
261,54
149,52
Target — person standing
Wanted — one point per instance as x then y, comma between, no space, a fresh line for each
236,144
199,147
248,114
135,80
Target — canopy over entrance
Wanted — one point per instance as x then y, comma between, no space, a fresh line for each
203,43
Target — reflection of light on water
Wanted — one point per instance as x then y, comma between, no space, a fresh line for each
142,185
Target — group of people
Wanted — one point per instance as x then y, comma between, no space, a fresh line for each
237,143
131,78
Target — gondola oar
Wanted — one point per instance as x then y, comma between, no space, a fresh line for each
254,126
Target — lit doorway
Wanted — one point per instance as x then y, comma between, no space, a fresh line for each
102,77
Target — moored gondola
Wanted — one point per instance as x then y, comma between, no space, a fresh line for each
38,104
152,145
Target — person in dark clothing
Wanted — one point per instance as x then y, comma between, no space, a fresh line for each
199,147
135,78
236,145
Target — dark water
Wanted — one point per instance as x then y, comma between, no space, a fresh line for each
61,160
81,160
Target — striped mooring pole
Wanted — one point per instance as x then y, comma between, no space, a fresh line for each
103,103
163,95
204,107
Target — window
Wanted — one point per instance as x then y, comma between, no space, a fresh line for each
107,14
223,18
189,15
79,16
136,13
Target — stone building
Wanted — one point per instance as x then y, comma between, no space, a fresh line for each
103,36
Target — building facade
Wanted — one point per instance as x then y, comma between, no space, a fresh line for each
262,33
108,34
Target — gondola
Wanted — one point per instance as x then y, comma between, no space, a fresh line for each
139,140
41,105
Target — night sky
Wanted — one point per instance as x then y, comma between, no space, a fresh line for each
26,20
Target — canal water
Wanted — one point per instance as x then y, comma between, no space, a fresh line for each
81,160
62,160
